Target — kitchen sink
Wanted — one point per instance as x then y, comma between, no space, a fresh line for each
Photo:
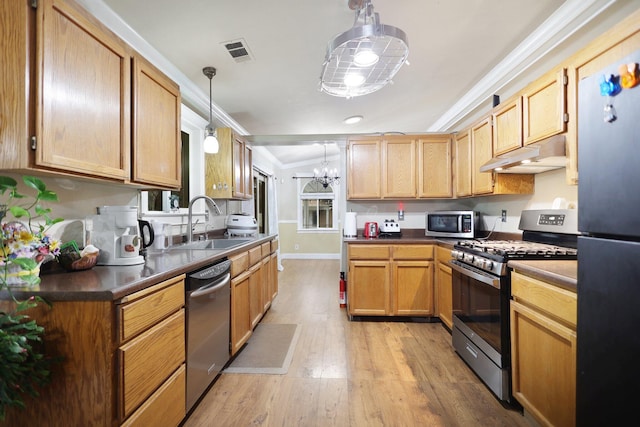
212,244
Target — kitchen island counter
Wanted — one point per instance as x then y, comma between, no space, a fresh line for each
106,283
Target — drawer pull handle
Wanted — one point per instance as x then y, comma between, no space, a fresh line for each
472,351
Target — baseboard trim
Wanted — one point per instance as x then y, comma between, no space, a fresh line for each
309,256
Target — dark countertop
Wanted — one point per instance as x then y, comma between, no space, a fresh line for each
108,283
561,273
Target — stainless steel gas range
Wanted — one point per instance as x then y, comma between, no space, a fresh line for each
482,290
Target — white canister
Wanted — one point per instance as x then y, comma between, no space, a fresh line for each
350,229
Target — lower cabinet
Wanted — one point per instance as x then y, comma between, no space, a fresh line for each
390,280
543,349
444,293
254,284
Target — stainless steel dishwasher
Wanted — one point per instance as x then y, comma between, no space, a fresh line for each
208,300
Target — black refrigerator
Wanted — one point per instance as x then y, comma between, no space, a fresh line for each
608,341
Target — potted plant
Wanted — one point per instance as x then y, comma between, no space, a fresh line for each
24,246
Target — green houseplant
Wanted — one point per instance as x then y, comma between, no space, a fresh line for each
24,245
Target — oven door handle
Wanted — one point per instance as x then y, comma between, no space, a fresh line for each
477,275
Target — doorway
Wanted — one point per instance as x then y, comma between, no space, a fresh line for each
260,200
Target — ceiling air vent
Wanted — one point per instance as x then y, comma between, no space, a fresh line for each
238,50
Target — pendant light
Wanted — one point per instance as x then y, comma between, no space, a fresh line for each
364,58
211,144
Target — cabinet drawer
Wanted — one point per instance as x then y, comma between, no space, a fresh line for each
369,252
421,252
266,249
146,308
147,361
255,255
443,254
239,263
166,407
556,302
274,245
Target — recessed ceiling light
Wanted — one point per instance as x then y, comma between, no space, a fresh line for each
352,120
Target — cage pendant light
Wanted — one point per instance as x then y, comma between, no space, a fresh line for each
364,58
210,143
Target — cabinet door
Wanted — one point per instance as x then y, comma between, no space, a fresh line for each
239,172
364,170
240,317
274,276
435,174
266,283
544,107
482,151
156,127
83,113
543,357
507,126
463,164
398,167
369,288
255,294
413,288
445,295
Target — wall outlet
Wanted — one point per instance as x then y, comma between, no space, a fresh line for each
504,215
401,215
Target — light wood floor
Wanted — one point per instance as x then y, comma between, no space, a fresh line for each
358,373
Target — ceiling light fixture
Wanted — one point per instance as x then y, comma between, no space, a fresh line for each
352,120
211,144
326,176
369,53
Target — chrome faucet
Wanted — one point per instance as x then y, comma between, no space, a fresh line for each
190,224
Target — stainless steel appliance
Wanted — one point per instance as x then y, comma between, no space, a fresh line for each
457,224
481,290
208,301
608,344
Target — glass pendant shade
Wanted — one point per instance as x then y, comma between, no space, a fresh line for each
211,144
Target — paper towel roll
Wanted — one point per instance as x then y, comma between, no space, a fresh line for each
350,229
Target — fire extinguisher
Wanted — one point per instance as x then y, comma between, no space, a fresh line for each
343,290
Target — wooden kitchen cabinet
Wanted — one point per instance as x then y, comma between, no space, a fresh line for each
435,163
481,134
364,171
229,173
507,126
121,361
152,350
156,144
398,167
463,167
444,287
59,48
544,107
390,280
254,285
543,349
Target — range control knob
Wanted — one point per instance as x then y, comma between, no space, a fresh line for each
468,258
488,265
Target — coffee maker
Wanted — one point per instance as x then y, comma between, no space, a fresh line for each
115,233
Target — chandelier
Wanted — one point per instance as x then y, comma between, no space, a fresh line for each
326,176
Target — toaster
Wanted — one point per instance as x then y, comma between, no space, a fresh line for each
391,227
371,229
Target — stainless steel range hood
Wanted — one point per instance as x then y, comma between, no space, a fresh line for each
538,157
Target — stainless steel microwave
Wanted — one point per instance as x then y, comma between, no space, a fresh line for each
459,224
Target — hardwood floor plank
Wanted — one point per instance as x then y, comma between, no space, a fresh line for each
352,374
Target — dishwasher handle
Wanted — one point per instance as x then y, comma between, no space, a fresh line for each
211,287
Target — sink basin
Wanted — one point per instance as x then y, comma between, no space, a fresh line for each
212,244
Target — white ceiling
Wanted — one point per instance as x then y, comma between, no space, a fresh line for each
455,46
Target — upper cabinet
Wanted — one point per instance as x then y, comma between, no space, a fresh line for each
66,97
435,175
156,126
398,167
482,149
463,163
544,107
507,126
364,168
229,172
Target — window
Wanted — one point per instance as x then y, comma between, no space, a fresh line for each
316,206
